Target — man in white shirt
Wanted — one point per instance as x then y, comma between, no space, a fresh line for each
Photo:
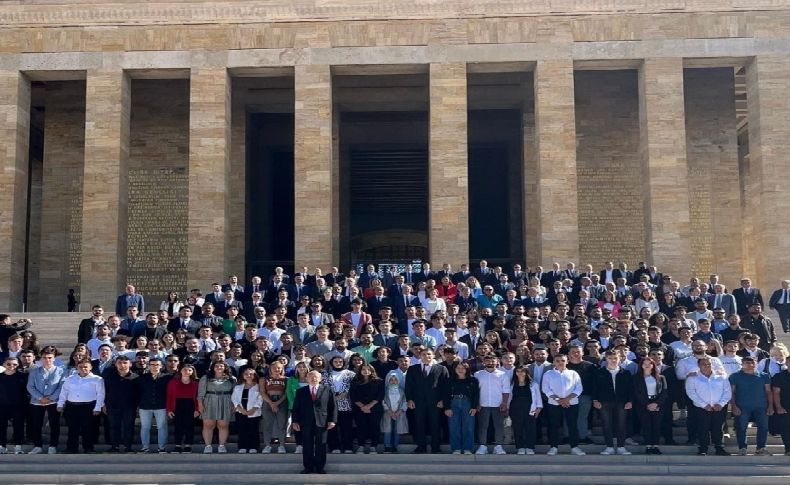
437,329
102,337
563,388
451,340
709,393
81,398
494,396
730,360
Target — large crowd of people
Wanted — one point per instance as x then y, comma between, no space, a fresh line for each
476,358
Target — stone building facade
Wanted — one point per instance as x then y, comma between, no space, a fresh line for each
647,130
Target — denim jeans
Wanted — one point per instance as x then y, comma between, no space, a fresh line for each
462,425
760,419
146,417
391,437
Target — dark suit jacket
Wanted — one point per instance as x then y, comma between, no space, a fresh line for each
640,391
308,413
374,305
294,293
426,390
238,293
399,305
332,279
84,331
121,304
468,341
465,304
460,277
776,296
616,273
221,309
604,391
412,280
743,300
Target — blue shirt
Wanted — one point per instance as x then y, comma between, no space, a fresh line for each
45,382
750,389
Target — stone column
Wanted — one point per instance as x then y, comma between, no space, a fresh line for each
14,145
663,152
209,155
105,194
769,167
448,184
555,140
316,229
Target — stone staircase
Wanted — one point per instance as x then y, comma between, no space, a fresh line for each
394,469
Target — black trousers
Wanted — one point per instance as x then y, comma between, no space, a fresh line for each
368,426
314,448
709,428
15,414
651,424
666,421
614,419
184,422
37,420
341,437
426,421
82,425
691,419
556,416
121,426
523,425
249,432
783,422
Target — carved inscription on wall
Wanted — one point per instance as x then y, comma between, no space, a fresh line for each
157,233
75,242
701,220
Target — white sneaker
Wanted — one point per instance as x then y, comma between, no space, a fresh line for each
456,452
467,452
498,450
35,451
334,452
242,451
577,451
52,450
521,451
3,450
222,449
552,451
630,442
483,450
608,451
266,450
18,450
252,451
208,449
281,449
529,451
298,450
623,451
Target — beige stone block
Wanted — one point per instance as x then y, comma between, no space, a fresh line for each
448,184
555,142
768,80
209,170
104,195
663,153
14,143
316,218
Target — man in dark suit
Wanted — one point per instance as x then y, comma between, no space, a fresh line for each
229,301
298,288
367,276
314,413
234,286
388,278
745,296
406,299
426,273
473,338
255,286
216,296
129,298
549,277
642,269
446,270
780,301
183,320
610,274
378,300
462,275
335,277
409,276
485,275
87,328
425,383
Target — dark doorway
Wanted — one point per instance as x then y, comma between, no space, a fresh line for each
270,195
384,186
495,186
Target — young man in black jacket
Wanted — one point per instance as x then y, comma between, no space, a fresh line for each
613,398
120,403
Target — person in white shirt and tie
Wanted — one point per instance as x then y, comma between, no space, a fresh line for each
563,388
